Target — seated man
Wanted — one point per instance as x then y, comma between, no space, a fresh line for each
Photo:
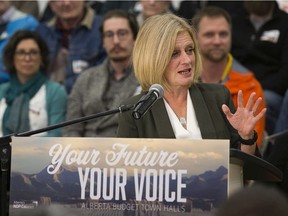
105,86
74,40
213,26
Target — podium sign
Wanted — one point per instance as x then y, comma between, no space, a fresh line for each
117,176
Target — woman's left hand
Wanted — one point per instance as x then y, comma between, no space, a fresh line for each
245,118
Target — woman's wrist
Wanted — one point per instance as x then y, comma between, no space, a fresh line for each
249,140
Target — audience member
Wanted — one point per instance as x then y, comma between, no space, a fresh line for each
74,40
258,200
166,52
29,101
105,86
213,25
152,7
260,42
11,20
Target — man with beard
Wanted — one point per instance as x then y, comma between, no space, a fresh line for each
104,87
213,25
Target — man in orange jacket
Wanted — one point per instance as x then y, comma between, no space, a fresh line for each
213,27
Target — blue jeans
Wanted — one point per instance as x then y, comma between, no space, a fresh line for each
282,121
273,104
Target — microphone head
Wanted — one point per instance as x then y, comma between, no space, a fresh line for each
158,88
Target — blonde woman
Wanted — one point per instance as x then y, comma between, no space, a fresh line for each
166,52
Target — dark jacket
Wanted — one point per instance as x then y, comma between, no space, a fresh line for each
264,52
207,101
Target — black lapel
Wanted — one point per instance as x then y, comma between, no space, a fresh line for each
202,113
162,122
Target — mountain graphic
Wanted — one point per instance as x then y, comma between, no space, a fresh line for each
64,186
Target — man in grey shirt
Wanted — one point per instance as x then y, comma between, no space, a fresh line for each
105,86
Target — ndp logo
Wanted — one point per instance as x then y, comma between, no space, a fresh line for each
24,204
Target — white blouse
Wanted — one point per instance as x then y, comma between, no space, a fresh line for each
193,130
38,116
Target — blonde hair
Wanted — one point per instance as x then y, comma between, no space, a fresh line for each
154,46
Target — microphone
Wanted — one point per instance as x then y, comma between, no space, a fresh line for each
156,92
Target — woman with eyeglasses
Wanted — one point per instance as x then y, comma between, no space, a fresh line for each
29,101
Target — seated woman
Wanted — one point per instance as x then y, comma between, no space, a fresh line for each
29,101
166,52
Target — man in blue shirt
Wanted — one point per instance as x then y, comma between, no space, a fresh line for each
74,40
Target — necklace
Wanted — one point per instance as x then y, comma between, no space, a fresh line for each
183,121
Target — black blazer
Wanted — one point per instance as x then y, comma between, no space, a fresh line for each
207,101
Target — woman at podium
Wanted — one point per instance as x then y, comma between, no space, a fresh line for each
166,53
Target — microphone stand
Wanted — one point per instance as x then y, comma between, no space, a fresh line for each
120,109
5,151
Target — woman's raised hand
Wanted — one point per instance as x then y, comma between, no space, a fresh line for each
245,118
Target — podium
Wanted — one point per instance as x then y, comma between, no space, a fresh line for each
242,167
245,167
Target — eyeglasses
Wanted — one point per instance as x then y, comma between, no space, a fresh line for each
121,34
21,54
